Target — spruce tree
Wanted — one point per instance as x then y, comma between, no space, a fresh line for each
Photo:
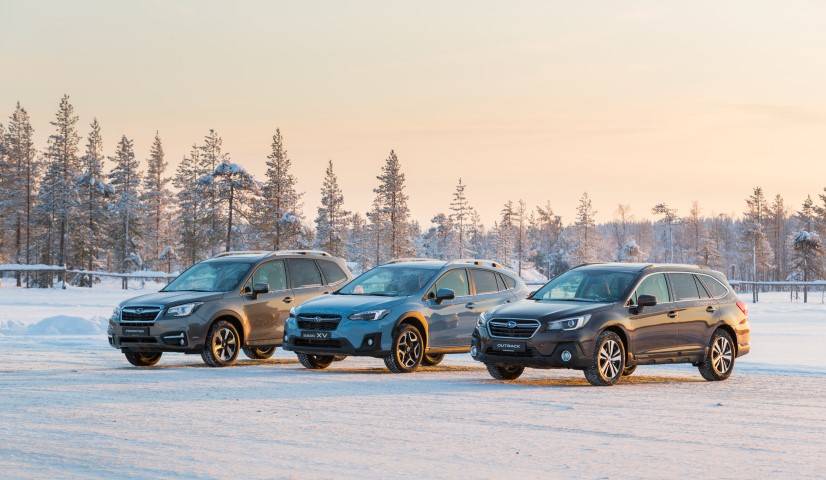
669,218
461,215
94,195
331,218
125,179
283,218
232,184
586,231
392,201
63,155
211,155
192,206
754,237
358,245
155,198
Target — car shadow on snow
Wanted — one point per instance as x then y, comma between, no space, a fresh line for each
383,370
239,363
581,382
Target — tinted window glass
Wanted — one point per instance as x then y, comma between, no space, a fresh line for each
303,273
210,276
332,272
700,287
485,281
654,285
500,284
509,282
683,286
455,280
587,286
273,274
390,281
715,288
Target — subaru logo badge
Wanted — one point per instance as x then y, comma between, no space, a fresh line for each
138,310
316,319
511,324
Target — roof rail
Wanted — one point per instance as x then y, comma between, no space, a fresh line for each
241,252
321,253
411,259
479,262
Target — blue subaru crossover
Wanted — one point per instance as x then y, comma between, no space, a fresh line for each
408,312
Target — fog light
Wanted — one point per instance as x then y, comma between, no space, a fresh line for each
474,351
182,342
369,342
566,356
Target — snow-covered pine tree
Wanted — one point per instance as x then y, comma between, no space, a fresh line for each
669,218
359,246
620,226
125,179
585,225
696,231
155,198
807,259
94,197
192,208
520,221
21,174
63,154
504,232
440,240
754,237
548,229
211,156
331,218
778,236
806,217
376,229
283,217
233,184
461,216
392,200
6,182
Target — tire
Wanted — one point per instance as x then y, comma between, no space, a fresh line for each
259,353
338,358
222,345
719,361
629,370
504,372
433,360
315,362
407,352
608,362
143,359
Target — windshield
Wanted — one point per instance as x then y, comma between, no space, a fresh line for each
210,277
587,286
389,281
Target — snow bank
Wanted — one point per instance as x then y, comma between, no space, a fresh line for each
67,325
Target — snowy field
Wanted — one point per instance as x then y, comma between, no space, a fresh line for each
71,407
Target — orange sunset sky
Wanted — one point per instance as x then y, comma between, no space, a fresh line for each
636,102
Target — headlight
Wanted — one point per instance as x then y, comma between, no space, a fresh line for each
183,310
292,312
569,323
482,320
369,315
116,314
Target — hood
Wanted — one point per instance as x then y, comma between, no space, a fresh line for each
347,304
546,310
171,298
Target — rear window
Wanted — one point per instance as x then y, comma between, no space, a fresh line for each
509,282
485,281
332,272
683,286
714,287
303,273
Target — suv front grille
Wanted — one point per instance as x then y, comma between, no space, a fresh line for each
139,315
512,328
321,321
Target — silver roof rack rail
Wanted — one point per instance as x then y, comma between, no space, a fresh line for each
241,252
411,259
479,262
320,253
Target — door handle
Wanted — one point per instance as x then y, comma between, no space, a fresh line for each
672,314
470,305
710,309
287,299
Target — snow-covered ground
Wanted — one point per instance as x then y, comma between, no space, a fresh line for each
70,406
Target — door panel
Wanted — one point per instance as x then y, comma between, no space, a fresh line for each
267,313
693,327
653,330
305,281
449,318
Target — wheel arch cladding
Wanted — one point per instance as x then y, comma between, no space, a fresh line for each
727,328
623,336
235,321
416,321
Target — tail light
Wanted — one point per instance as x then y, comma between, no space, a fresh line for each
743,307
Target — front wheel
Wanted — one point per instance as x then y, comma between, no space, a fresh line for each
222,342
315,362
142,359
719,361
608,362
504,372
259,353
408,350
433,360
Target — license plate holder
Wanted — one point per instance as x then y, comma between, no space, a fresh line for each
135,331
315,335
509,347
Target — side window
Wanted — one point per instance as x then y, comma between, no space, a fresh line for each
303,273
683,286
500,284
509,281
273,274
455,280
485,281
714,287
332,272
654,285
700,287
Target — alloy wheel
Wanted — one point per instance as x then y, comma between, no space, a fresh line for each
721,355
409,348
610,359
224,344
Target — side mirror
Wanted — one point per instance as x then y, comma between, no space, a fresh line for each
646,301
443,294
257,289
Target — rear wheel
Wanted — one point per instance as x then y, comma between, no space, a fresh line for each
504,372
143,359
433,360
408,350
259,353
608,362
719,362
222,345
315,362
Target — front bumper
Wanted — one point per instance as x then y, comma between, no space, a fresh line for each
166,335
570,349
349,337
